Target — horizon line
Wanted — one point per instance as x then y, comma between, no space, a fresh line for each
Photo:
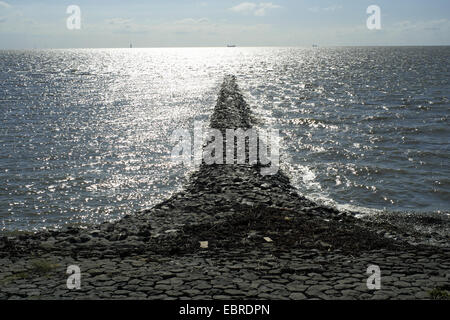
237,46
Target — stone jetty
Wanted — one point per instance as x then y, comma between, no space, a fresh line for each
233,233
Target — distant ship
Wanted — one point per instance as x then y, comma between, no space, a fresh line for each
315,46
131,45
231,45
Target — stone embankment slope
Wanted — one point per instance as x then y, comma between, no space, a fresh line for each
265,241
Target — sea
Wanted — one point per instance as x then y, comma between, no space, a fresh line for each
85,133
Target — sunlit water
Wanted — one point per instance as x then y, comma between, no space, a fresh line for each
85,134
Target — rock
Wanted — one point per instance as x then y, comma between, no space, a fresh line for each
297,296
85,238
316,289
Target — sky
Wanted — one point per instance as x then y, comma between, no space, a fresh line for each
205,23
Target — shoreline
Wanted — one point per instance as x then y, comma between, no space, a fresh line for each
265,241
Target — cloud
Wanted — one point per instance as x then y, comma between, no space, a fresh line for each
191,21
407,26
129,26
118,21
216,33
258,10
261,11
333,8
325,9
120,25
244,7
185,26
4,4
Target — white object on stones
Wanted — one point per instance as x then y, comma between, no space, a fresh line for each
204,244
268,239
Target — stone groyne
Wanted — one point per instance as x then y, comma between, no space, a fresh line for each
264,241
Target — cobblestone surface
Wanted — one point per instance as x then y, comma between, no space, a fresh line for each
260,274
